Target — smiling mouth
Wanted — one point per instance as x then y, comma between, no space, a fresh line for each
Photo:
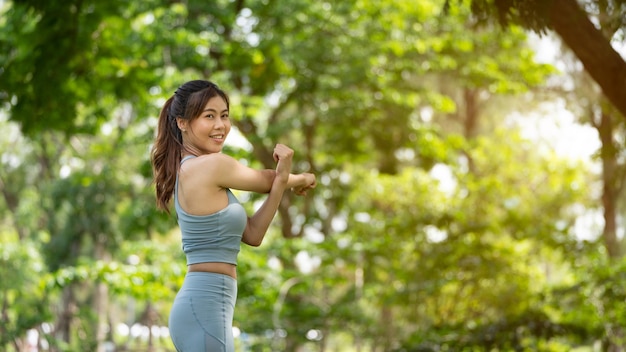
218,138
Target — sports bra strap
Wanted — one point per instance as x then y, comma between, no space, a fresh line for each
187,158
176,184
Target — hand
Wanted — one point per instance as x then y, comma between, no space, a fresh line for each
309,183
283,155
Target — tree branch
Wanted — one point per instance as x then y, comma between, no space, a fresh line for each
603,63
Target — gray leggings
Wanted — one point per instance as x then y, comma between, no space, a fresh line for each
201,318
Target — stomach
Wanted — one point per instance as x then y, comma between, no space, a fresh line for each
214,267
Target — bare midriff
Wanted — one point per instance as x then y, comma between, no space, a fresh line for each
214,267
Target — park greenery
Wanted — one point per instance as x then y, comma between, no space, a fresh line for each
438,224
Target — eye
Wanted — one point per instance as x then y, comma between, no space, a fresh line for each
210,116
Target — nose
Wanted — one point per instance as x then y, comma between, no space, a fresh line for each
219,123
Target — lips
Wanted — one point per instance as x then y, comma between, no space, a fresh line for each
217,137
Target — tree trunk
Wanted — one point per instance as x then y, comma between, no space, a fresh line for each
150,318
101,298
386,322
609,185
101,303
601,61
470,120
64,320
611,188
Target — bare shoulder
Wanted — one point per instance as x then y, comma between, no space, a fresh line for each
208,167
224,171
208,162
214,160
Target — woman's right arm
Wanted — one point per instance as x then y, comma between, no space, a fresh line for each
226,172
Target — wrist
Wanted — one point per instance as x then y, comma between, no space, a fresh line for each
295,181
281,181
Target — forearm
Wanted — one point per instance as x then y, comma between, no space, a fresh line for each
296,181
293,181
262,218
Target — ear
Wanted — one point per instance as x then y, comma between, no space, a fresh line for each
182,124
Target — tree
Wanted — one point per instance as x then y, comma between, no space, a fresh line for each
65,59
351,95
577,30
591,107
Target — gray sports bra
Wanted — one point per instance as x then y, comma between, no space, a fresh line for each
215,237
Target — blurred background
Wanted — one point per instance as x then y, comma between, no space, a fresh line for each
470,155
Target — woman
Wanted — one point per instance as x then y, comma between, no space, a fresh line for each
188,165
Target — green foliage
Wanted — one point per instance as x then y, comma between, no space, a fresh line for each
418,236
155,277
448,249
46,71
598,296
24,301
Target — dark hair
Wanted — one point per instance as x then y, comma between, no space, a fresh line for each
187,103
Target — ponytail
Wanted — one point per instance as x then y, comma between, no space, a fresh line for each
166,156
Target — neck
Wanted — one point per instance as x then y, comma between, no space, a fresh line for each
190,150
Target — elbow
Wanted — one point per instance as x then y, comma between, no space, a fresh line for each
252,235
270,175
253,243
251,240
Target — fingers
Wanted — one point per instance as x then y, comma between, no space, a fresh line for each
282,151
284,156
310,183
300,191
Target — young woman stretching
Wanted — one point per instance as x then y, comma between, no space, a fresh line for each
189,167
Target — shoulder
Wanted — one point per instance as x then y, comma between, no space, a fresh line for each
209,161
209,165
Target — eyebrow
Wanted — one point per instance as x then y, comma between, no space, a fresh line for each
213,110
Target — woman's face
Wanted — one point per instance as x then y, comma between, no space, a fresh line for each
208,132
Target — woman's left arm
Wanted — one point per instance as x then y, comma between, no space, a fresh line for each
258,223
